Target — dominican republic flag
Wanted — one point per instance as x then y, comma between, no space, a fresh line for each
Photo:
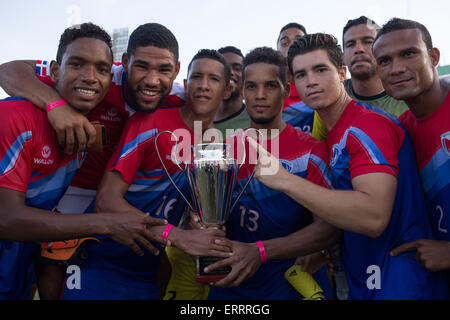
42,68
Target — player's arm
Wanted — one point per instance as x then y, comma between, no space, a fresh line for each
74,131
19,222
365,210
23,223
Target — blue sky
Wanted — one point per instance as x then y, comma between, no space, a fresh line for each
31,30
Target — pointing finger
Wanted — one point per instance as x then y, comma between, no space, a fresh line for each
409,246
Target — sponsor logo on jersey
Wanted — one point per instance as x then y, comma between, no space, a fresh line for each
111,115
445,139
46,152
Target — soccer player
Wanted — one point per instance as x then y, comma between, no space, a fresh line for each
135,181
141,83
378,200
364,85
288,34
34,173
295,112
407,64
232,113
265,224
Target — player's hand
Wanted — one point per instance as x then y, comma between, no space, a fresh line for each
202,242
311,263
194,221
73,130
244,262
433,254
132,228
268,168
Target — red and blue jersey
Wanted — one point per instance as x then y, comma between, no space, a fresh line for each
263,213
112,112
431,138
300,116
367,140
30,162
150,191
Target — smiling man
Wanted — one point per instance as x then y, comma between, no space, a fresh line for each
34,173
407,64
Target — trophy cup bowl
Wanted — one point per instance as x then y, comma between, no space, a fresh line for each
212,176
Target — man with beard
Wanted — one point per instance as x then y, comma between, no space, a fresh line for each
365,85
232,114
407,64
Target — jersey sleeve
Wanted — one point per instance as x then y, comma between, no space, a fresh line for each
15,149
318,171
131,151
373,144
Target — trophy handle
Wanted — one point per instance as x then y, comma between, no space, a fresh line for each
243,160
176,162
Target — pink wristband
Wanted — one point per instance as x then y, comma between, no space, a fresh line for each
56,104
262,251
167,231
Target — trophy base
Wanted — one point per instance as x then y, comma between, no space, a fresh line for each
213,276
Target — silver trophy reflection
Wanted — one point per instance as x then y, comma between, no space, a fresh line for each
211,177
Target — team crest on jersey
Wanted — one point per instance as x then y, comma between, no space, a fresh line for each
445,139
336,152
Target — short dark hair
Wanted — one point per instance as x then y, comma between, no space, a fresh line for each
402,24
269,56
316,41
292,25
361,20
153,34
214,55
84,30
231,49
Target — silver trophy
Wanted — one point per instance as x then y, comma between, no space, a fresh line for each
211,175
